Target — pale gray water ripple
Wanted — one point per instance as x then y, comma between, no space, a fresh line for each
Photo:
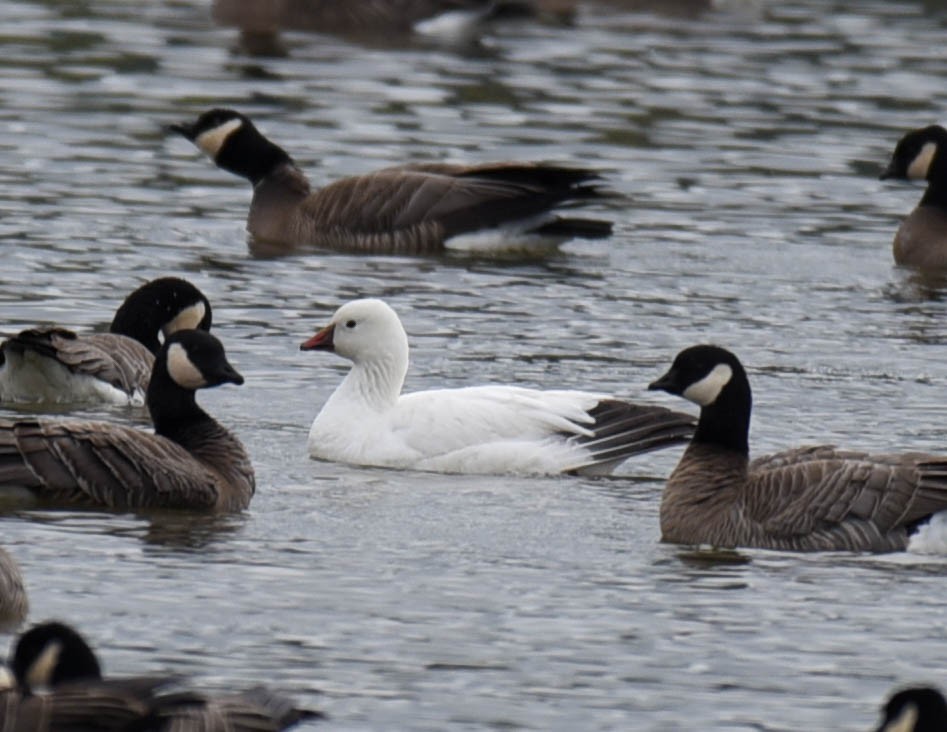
744,147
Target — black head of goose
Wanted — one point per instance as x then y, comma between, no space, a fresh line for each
409,209
190,462
916,709
921,240
53,364
806,499
13,602
55,658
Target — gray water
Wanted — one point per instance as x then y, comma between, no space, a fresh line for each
745,144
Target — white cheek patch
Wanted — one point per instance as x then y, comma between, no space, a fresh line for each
187,319
706,391
921,164
182,370
40,672
212,140
904,722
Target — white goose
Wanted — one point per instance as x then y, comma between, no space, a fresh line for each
480,429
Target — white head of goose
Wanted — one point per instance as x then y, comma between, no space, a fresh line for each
52,364
806,499
921,240
478,429
409,209
54,658
916,709
190,462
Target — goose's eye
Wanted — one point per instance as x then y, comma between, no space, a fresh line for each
350,324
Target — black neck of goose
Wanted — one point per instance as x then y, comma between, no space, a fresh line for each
173,409
726,422
250,155
936,193
136,323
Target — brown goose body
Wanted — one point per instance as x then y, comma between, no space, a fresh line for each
372,17
13,602
191,461
921,239
53,364
57,686
410,209
807,499
89,706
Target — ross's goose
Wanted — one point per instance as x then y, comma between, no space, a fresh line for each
480,429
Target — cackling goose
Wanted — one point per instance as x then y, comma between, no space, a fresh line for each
449,20
57,365
479,429
191,461
409,209
53,658
916,709
921,240
13,603
807,499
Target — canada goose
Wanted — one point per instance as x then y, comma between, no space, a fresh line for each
54,658
921,240
53,364
450,19
13,602
807,499
917,709
480,429
190,462
409,209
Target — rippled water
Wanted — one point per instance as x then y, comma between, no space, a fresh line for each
745,144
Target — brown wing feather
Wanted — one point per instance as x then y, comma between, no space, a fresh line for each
810,489
115,359
93,463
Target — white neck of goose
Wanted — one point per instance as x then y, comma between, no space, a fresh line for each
377,381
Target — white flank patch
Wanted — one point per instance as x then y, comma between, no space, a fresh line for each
187,319
918,168
40,672
212,140
455,25
706,391
7,679
904,722
931,538
182,369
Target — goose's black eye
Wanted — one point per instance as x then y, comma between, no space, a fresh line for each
350,324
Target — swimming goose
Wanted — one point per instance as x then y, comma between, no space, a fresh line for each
450,20
54,659
921,240
53,364
480,429
191,461
13,602
917,709
409,209
807,499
